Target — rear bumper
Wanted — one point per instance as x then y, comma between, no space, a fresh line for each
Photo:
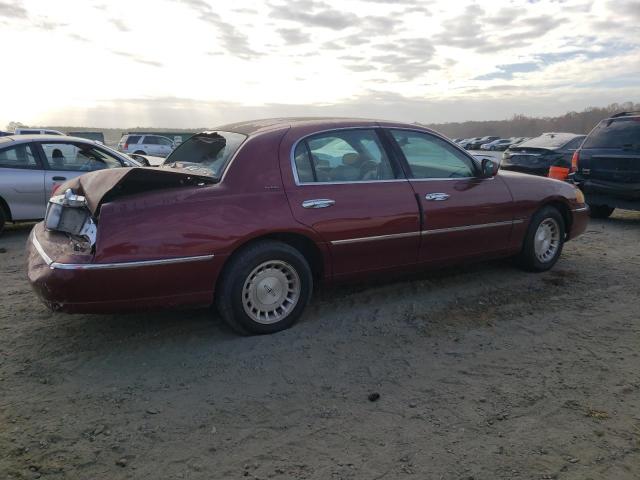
128,286
580,220
623,191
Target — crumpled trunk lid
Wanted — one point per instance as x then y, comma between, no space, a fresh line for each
105,185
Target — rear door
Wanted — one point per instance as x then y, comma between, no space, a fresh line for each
346,187
22,181
463,215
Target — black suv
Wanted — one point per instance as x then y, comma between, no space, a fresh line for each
607,165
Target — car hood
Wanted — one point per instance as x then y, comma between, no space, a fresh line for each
104,185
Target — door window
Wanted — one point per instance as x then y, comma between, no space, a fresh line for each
164,141
78,158
342,156
431,157
151,140
20,156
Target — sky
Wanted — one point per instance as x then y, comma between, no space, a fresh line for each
202,63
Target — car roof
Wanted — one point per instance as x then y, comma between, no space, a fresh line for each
253,127
46,138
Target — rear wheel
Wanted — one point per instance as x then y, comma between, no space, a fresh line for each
264,288
543,242
600,211
139,152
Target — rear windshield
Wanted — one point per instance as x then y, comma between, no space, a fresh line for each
548,140
207,152
618,133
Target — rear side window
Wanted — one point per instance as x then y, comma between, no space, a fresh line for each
618,133
151,140
132,139
342,156
20,156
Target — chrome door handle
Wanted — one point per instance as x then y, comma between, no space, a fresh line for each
318,203
436,197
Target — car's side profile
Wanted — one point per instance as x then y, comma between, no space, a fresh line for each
145,144
31,166
251,216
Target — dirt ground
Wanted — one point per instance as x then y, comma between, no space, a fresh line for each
483,372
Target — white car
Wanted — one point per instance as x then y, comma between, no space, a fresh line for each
145,144
36,131
32,166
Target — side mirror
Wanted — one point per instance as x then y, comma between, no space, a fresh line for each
489,168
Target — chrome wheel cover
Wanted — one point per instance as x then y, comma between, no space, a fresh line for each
546,241
271,292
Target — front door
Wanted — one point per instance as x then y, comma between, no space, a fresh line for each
348,190
463,214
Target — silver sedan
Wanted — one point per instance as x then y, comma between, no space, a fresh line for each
32,166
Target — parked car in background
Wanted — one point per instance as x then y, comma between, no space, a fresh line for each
155,145
4,134
537,155
97,136
31,166
475,145
36,131
467,142
501,144
607,165
253,215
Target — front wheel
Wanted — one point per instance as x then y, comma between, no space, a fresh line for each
264,288
600,211
543,241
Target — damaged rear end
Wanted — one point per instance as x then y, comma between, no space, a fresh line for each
66,266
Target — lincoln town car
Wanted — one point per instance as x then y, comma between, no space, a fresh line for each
252,216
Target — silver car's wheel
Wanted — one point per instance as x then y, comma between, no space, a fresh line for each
271,292
547,240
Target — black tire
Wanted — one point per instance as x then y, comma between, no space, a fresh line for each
231,295
600,211
3,220
528,259
139,152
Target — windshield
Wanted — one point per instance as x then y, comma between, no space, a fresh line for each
548,140
208,151
619,133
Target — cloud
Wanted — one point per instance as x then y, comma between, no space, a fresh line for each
505,72
293,36
13,10
119,24
233,40
314,14
137,59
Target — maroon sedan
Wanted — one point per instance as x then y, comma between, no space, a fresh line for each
252,215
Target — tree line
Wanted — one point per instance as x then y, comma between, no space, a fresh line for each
523,126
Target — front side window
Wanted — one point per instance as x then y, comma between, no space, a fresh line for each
78,158
20,156
164,141
431,157
342,156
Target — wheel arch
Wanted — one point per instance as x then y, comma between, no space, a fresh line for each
564,210
4,206
301,242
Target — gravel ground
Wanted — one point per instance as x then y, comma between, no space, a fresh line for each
482,372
